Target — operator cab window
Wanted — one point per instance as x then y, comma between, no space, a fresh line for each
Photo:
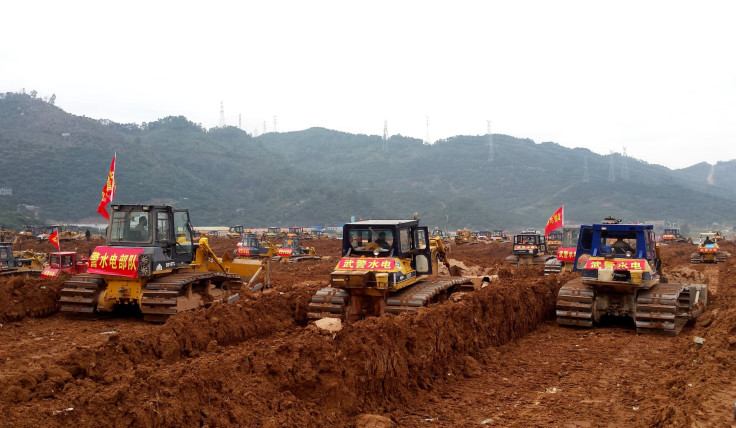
618,244
130,226
371,240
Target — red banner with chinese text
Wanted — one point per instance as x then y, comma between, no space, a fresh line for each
285,252
243,251
366,264
108,191
115,261
566,254
49,273
525,247
554,222
596,263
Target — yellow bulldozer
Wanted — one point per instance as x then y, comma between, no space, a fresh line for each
465,236
387,266
14,263
150,263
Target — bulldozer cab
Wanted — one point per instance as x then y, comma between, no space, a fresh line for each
152,226
389,239
529,243
616,241
7,260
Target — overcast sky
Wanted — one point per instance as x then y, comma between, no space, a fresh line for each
655,77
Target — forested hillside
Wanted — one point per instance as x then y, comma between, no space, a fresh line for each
57,162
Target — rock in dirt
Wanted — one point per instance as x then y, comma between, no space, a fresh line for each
373,421
331,325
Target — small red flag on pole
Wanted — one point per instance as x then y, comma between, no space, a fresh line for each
554,222
54,239
108,191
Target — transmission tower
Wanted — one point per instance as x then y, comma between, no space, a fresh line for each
427,141
611,175
264,126
490,143
222,114
240,121
624,166
275,120
586,177
385,136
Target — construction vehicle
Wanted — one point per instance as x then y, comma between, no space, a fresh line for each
441,234
671,235
530,248
554,240
298,232
273,232
621,276
235,231
498,236
292,251
717,235
250,246
708,250
13,263
465,236
151,264
396,274
64,261
565,253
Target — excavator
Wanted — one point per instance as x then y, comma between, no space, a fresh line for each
621,276
387,266
151,263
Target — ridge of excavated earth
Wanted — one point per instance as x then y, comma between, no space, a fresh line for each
493,357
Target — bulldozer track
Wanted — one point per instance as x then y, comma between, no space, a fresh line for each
662,309
173,293
416,296
552,266
575,304
34,273
80,293
328,302
332,302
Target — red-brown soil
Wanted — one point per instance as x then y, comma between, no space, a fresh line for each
492,357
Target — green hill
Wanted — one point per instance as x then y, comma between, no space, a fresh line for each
58,162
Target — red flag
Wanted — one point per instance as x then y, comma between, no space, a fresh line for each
554,222
108,191
54,239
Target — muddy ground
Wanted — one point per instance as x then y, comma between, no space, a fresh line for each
494,357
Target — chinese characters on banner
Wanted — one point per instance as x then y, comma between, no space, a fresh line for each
366,264
632,265
566,254
115,261
108,191
554,222
285,252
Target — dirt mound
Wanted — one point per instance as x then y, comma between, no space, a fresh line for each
707,391
253,362
23,296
